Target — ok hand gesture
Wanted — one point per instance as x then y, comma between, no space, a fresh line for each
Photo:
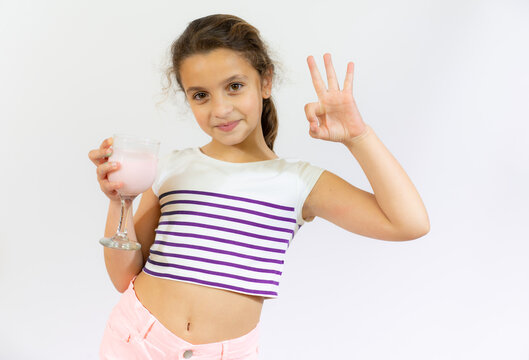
336,112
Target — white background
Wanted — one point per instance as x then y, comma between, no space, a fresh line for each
444,84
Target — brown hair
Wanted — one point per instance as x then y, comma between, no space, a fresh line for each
230,32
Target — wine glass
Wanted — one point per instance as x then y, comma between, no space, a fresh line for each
138,159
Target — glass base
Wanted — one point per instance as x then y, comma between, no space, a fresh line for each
120,243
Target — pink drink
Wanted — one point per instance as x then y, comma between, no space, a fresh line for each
137,171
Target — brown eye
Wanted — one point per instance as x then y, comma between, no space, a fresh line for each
199,96
236,86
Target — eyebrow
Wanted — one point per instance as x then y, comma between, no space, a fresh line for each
231,78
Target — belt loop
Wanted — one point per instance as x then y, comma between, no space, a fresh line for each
222,352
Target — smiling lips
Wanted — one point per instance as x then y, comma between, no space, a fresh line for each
228,126
228,123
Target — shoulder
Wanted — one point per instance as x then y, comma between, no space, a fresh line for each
301,167
313,199
173,156
302,176
331,197
167,163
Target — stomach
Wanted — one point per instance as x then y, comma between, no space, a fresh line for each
198,314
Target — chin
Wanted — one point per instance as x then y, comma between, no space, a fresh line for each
228,140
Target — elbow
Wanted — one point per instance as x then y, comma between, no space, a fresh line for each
417,232
121,286
413,233
121,289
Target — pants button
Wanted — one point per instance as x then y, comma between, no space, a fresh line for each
188,354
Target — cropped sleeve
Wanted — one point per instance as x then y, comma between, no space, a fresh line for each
162,169
308,174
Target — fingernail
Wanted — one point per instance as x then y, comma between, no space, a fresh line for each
114,165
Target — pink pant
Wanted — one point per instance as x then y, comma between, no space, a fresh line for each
132,332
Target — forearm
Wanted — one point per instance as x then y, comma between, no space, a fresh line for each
395,193
122,265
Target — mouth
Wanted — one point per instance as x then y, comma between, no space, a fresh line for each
229,126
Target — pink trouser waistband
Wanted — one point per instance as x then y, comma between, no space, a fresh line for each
132,332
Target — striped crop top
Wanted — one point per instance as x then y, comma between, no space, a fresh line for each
227,225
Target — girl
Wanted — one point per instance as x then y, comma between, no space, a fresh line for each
219,218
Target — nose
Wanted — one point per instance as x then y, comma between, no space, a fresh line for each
222,107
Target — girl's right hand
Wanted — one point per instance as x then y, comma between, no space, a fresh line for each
100,158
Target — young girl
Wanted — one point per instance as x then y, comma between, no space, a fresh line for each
216,225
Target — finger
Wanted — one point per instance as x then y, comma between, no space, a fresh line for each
332,82
317,81
103,169
99,156
105,149
312,110
107,143
92,156
348,82
110,187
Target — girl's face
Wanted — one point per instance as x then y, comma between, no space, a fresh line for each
222,87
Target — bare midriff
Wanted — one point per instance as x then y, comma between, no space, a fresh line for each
198,314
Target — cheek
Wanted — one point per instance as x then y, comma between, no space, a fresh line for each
201,118
200,112
251,105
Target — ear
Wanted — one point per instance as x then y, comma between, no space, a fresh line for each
266,84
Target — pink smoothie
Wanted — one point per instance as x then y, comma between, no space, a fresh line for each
137,171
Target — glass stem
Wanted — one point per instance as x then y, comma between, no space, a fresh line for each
126,202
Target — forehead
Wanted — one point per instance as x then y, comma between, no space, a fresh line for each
214,66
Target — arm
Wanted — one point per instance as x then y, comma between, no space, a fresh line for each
395,211
123,265
394,192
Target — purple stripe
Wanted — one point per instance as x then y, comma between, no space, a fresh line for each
226,263
289,208
225,252
234,208
211,272
210,283
227,218
207,237
206,226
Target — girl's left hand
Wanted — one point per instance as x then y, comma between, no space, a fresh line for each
336,112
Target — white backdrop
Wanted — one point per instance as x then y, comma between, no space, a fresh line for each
444,84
